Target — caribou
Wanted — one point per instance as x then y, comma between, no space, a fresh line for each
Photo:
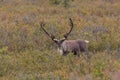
66,46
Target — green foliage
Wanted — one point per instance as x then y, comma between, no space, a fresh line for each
3,50
56,2
49,65
65,3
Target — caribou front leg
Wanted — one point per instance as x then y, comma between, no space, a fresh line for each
65,53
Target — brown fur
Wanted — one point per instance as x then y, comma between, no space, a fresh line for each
75,46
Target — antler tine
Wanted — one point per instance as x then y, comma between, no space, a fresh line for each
50,35
71,25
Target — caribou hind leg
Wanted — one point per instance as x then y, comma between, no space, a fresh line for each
75,53
78,53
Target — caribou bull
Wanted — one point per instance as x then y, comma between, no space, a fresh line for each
66,46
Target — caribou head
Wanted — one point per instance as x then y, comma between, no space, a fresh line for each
65,46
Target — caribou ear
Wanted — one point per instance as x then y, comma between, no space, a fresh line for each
62,40
55,40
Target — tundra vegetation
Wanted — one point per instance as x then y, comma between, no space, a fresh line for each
26,53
